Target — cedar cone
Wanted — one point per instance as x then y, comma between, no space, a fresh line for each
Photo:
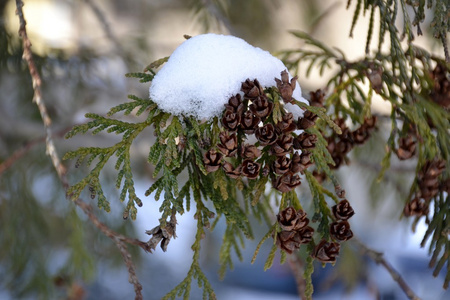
281,165
235,104
287,182
212,160
306,233
301,162
360,135
305,141
292,220
249,122
406,147
416,207
374,74
282,146
266,135
445,186
341,231
250,152
285,86
261,106
441,88
428,178
162,235
326,251
231,171
250,168
287,124
228,143
252,89
320,176
231,120
290,241
370,123
316,98
308,120
343,210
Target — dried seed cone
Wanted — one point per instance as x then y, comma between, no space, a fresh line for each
305,141
252,89
250,168
301,162
286,87
282,146
231,120
326,251
291,219
343,210
287,124
308,120
235,104
406,147
212,160
416,207
266,135
261,106
287,182
428,178
289,241
228,143
341,231
250,151
249,122
441,88
281,165
316,98
231,171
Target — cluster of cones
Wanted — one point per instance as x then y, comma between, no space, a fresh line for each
273,154
295,231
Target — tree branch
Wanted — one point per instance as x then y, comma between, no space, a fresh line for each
296,265
118,239
378,258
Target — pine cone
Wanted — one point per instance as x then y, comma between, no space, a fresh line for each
235,104
416,207
212,160
282,146
252,89
343,210
289,241
305,141
316,98
301,162
231,171
308,120
306,234
341,231
292,220
281,165
370,123
266,135
162,235
441,88
287,182
360,135
428,178
261,106
326,251
228,143
287,124
249,122
250,168
231,120
285,86
406,147
250,152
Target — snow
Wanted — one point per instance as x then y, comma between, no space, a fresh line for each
206,70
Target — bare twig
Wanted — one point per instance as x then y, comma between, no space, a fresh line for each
378,258
118,239
297,269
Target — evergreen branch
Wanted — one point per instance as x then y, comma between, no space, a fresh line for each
297,268
271,232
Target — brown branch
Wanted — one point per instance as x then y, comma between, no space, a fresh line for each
118,239
297,269
378,258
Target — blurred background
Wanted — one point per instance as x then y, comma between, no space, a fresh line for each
48,248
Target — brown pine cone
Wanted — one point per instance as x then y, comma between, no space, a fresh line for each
370,123
287,124
287,182
445,186
416,207
326,251
249,122
285,86
306,234
281,165
441,88
316,98
235,104
252,89
261,106
212,160
250,152
282,146
320,176
289,241
250,169
228,143
406,147
341,231
360,135
231,120
301,162
428,178
231,171
308,120
305,141
292,220
343,210
266,135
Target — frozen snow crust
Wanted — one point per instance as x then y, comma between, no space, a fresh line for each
206,70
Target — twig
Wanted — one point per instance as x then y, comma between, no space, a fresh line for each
118,239
297,269
378,258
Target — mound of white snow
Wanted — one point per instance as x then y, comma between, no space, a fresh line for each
206,70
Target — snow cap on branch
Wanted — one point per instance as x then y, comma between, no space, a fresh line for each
206,70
